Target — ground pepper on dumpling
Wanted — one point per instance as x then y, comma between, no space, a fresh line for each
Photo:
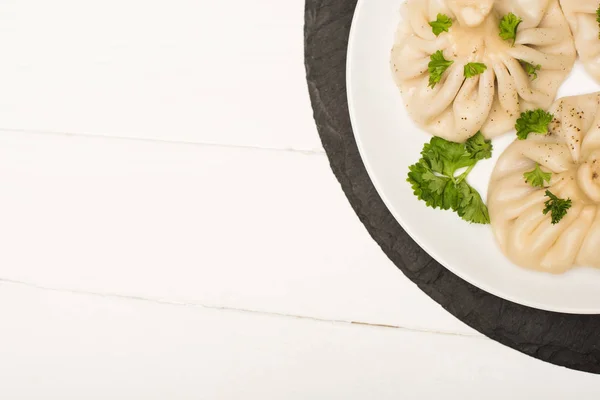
521,72
544,194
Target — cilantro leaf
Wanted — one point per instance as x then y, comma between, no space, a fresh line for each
441,24
598,19
531,69
437,66
472,69
479,148
471,207
556,207
537,177
426,185
435,179
446,157
451,196
535,121
508,27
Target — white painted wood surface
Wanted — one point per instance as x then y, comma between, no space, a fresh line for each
102,347
200,71
165,237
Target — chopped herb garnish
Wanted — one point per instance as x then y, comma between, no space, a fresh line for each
535,121
441,24
531,69
479,147
537,177
437,66
472,69
598,19
556,207
508,27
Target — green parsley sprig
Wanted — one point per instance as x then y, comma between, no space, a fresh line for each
537,177
472,69
436,180
557,207
531,69
437,66
479,148
533,121
598,19
441,24
508,27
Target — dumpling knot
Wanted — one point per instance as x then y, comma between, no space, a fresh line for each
471,12
466,77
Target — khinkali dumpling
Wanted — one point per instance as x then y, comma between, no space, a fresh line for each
456,108
569,158
582,16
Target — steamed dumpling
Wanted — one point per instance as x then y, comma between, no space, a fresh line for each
581,15
456,108
571,153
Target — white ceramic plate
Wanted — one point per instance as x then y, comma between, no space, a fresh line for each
389,142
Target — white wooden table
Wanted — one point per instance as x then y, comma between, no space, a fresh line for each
165,237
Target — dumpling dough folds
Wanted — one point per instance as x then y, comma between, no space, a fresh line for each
571,152
456,108
581,15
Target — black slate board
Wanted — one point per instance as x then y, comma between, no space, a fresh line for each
568,340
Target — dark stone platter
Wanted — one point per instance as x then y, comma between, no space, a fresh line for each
568,340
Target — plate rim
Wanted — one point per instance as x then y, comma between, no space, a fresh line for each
352,39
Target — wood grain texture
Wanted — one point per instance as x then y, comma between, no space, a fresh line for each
195,71
68,346
225,227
